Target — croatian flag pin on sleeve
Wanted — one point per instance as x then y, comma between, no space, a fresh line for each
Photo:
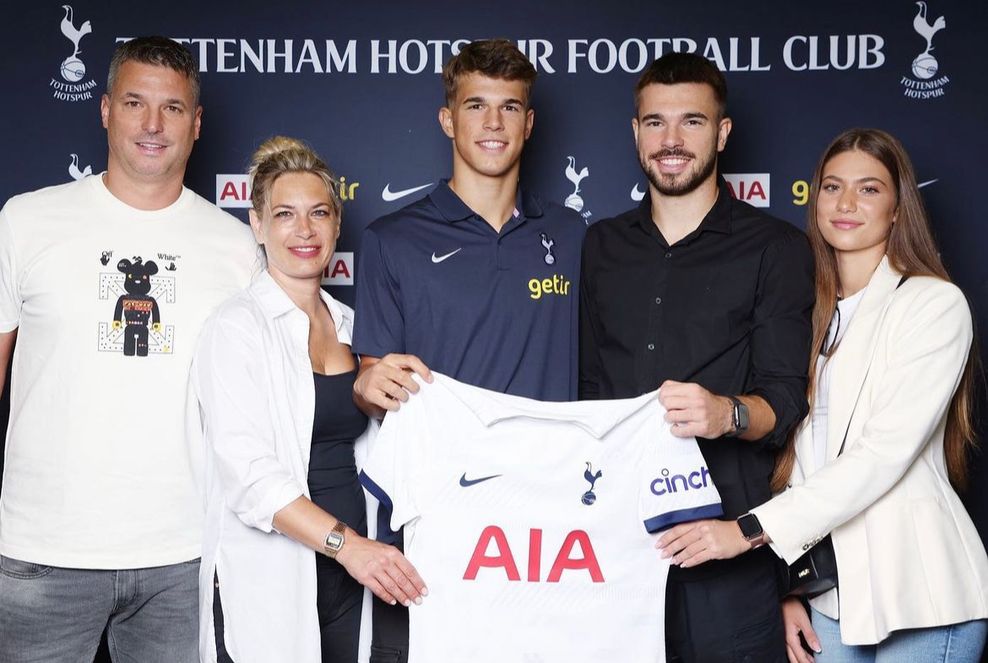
533,523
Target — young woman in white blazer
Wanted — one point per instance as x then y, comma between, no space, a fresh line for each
891,381
274,377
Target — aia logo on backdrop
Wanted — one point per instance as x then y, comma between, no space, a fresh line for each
232,191
925,80
752,188
339,271
70,84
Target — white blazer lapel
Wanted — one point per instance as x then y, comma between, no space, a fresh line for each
855,352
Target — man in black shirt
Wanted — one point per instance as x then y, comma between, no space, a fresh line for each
709,299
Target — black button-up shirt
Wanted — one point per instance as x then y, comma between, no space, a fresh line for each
727,307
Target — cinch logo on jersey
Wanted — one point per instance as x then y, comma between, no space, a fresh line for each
501,557
339,271
752,188
72,69
924,66
666,484
233,191
573,200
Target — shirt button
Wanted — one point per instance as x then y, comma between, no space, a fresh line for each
651,346
668,254
658,300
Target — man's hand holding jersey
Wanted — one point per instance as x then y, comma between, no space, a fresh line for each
693,411
383,384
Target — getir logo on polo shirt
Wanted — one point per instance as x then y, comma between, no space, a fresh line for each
557,284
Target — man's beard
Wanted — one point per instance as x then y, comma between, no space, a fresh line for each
668,185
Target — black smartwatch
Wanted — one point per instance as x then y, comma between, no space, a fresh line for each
739,417
751,529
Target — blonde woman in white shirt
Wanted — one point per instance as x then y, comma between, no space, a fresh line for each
274,377
877,462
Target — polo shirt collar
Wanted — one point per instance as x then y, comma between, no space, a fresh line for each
275,302
453,209
718,219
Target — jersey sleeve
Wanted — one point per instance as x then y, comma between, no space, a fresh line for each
391,464
675,485
379,324
10,297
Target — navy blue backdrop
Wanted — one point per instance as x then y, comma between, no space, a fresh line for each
360,83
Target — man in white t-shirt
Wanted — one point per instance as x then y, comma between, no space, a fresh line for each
534,522
105,283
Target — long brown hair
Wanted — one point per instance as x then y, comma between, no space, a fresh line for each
912,251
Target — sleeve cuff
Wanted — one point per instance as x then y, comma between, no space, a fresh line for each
262,516
670,518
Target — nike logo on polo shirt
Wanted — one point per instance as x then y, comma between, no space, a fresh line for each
926,183
466,483
389,196
438,259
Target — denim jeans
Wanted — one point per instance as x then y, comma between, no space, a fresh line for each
57,615
956,643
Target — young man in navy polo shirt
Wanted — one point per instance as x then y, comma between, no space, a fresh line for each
478,280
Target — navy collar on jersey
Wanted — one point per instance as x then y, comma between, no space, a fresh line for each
598,418
717,220
453,209
275,302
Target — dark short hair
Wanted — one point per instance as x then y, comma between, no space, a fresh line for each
673,68
493,58
158,51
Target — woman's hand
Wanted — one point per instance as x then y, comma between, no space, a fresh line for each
382,569
694,543
796,621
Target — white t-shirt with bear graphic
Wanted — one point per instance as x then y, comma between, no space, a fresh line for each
108,301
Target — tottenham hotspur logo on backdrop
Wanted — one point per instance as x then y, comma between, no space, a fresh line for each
72,68
926,81
573,200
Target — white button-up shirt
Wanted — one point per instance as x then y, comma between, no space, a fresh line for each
253,381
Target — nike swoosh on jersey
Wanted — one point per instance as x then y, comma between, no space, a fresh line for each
438,259
466,483
926,183
389,196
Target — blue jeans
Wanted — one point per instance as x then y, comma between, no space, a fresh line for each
956,643
55,615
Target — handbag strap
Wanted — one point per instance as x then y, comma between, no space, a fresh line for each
904,278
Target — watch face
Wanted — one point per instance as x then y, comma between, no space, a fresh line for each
334,541
742,416
750,527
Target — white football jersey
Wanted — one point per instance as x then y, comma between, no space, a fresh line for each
533,523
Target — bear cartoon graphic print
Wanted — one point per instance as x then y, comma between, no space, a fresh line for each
136,328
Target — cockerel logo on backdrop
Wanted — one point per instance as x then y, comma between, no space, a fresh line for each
574,201
72,70
75,172
926,82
